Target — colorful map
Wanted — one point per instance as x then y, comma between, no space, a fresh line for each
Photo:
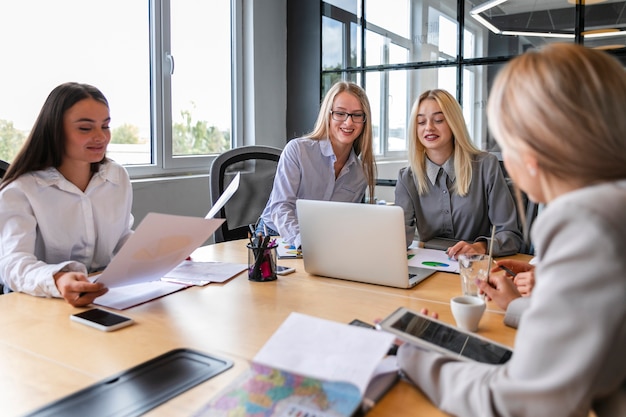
263,392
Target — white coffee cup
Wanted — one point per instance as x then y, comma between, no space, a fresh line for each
467,311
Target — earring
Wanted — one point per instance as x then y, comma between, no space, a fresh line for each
531,170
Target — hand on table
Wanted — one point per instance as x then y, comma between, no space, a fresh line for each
76,289
466,248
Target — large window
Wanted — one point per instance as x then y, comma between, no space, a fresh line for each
398,49
164,66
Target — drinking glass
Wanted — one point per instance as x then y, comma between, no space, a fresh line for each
471,268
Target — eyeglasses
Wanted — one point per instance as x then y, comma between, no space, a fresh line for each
342,116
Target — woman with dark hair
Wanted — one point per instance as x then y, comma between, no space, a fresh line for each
65,208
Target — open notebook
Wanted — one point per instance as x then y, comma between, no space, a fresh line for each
311,367
357,242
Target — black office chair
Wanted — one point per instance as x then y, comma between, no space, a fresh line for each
531,211
3,168
257,165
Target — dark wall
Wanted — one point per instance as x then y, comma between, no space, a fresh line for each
304,44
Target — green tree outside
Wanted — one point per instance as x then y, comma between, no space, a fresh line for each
191,137
125,134
11,140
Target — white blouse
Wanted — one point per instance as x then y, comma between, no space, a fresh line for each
47,224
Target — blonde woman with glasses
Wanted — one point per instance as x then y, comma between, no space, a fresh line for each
335,162
558,114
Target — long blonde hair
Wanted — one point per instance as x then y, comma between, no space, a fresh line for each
464,149
363,144
566,104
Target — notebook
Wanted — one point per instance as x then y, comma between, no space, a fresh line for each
356,242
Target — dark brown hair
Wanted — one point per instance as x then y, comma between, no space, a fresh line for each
45,145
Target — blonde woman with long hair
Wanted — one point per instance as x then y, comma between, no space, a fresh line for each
335,162
558,115
451,189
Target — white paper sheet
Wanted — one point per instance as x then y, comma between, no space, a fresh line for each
203,273
160,243
325,349
121,298
285,250
432,259
226,195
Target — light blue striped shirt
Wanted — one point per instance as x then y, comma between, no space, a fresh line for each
306,171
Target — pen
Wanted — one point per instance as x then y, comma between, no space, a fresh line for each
260,254
507,270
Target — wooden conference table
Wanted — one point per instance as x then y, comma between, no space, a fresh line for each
45,356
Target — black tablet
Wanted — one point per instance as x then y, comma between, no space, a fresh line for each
421,330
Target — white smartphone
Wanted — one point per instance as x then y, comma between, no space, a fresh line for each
284,270
433,334
102,319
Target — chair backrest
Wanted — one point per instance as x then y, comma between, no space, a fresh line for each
532,209
3,167
257,165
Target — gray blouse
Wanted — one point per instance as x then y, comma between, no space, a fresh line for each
441,212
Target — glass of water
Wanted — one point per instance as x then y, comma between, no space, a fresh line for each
471,268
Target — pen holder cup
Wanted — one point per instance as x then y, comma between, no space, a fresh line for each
261,263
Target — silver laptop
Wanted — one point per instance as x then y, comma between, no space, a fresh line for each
357,242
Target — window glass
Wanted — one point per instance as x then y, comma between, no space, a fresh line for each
347,5
448,36
435,34
73,40
201,83
355,45
446,79
397,102
122,48
376,49
374,88
332,44
412,46
427,79
476,82
469,44
393,17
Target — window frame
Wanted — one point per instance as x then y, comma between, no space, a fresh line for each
466,64
163,162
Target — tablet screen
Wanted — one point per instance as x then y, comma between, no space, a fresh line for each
451,339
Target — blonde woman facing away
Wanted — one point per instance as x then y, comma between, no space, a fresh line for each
335,162
558,116
450,188
65,209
